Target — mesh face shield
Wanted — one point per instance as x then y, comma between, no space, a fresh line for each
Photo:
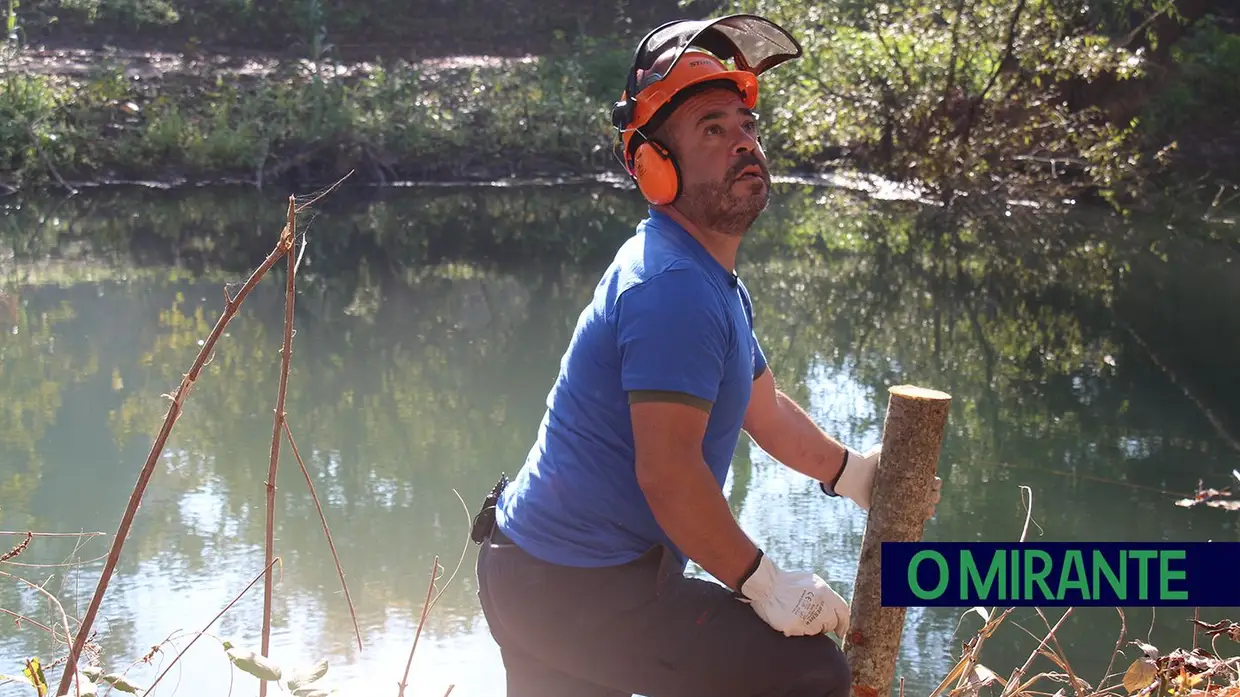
753,43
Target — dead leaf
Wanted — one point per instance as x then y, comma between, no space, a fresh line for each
1199,660
1140,674
979,677
1231,629
1149,651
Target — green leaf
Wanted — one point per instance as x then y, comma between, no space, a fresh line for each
302,677
255,664
121,683
34,673
85,687
92,672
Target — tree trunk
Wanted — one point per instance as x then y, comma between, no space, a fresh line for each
912,436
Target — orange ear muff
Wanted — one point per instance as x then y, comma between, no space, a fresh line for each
656,173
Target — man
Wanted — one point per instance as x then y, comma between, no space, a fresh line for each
581,570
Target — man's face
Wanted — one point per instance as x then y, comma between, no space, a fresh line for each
726,184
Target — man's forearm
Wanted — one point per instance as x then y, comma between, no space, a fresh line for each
688,505
792,438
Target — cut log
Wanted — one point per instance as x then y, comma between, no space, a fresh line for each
912,438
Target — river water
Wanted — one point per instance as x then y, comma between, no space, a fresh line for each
1090,359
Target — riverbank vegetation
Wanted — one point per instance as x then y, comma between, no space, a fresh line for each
264,122
1017,98
1008,97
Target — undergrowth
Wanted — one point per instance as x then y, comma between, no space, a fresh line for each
306,123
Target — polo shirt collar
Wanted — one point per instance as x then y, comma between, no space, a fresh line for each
663,224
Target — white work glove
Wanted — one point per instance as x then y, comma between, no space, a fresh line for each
857,480
795,603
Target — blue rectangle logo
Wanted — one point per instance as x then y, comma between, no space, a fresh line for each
1050,574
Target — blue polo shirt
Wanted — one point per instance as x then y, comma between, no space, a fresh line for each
664,316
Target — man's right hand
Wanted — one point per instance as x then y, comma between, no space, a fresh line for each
795,603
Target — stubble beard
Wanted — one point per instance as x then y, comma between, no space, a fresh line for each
722,207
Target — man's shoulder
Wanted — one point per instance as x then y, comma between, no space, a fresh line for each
648,266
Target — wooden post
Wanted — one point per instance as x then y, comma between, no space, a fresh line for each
912,437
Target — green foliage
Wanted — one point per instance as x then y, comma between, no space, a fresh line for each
252,662
301,681
1203,92
388,28
957,96
400,121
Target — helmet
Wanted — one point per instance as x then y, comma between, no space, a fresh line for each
687,54
656,88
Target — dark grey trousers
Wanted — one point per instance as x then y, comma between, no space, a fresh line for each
642,628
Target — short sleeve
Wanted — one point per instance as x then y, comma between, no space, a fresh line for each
759,358
672,335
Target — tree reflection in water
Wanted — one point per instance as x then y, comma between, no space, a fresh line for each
1088,358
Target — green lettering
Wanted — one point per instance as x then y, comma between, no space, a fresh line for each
1118,584
912,574
1073,563
1014,565
1038,577
1143,570
1166,574
969,576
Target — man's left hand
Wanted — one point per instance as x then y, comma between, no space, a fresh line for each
857,481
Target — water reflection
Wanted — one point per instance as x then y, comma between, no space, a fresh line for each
429,327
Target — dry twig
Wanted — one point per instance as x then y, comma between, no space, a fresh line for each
331,544
286,247
426,607
218,615
63,618
21,547
232,304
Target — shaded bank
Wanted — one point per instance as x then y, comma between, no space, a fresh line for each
123,116
388,29
1005,110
